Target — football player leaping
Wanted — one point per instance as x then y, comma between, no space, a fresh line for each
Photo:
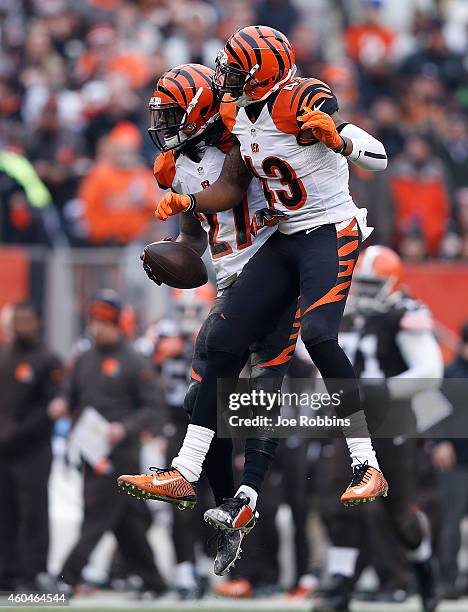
292,138
186,128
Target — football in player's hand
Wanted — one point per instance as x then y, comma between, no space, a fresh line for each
174,264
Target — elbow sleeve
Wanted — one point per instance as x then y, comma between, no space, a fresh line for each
368,152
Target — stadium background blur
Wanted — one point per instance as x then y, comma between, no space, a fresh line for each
76,185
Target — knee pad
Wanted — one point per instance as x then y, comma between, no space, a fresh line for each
191,396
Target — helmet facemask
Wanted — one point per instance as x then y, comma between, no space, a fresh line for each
170,124
234,81
371,293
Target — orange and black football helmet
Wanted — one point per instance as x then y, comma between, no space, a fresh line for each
183,106
255,62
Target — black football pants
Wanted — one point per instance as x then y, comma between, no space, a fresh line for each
318,266
269,359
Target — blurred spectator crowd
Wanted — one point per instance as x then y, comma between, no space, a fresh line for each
75,78
137,384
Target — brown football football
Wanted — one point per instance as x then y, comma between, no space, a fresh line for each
175,264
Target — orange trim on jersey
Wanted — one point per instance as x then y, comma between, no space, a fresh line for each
349,230
195,376
283,357
348,248
164,169
228,113
296,324
294,336
349,263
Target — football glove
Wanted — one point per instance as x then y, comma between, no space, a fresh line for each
149,272
266,217
323,127
172,204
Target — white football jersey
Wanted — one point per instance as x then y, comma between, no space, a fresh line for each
230,241
308,182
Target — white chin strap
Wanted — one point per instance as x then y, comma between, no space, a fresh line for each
245,100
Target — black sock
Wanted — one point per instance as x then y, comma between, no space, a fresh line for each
218,469
259,454
338,373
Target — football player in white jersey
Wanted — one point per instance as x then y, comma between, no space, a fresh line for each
293,139
186,127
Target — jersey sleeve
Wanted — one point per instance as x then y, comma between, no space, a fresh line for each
228,113
164,169
289,105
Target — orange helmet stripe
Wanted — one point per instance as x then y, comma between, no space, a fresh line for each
245,51
254,46
202,75
177,82
279,38
277,54
180,89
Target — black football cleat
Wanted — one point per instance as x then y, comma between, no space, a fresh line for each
228,551
426,578
232,515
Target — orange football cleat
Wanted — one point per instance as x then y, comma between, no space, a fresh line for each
366,485
165,485
234,588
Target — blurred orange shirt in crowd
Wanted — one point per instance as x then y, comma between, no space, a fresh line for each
424,200
132,65
366,41
120,191
118,203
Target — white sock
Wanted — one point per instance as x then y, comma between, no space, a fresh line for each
250,493
192,454
359,441
342,561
